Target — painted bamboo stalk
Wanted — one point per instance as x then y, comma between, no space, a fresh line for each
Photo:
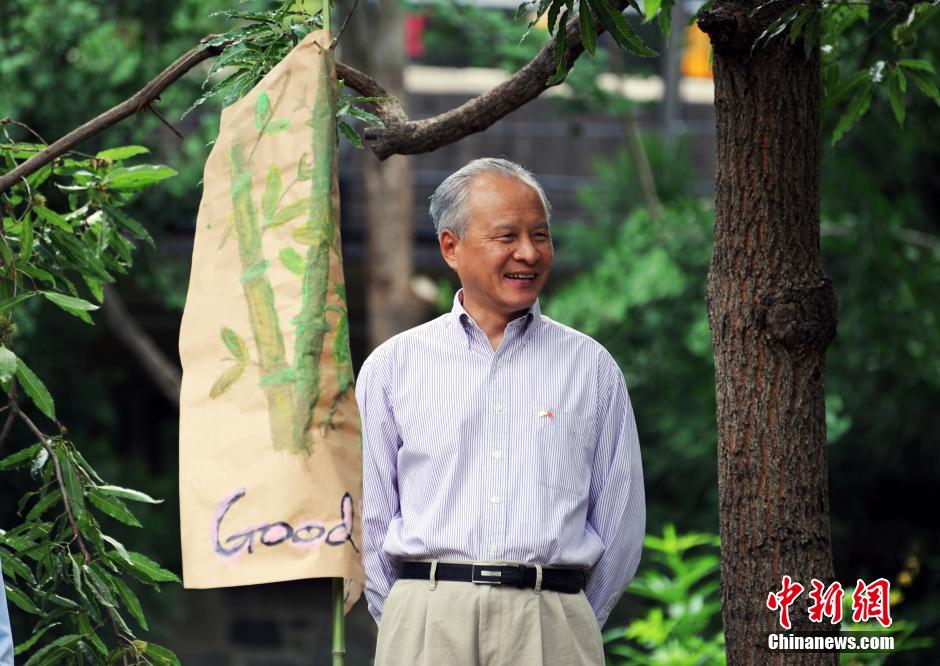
259,296
317,234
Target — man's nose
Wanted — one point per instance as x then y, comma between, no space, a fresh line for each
527,251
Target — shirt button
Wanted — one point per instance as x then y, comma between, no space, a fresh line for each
494,499
498,407
492,548
497,454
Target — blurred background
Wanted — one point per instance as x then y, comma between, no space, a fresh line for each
625,150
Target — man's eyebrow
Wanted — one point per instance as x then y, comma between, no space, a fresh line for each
504,226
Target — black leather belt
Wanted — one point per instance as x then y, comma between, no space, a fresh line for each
570,581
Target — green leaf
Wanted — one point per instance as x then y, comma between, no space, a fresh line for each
20,600
69,303
614,22
53,218
7,365
856,109
234,343
650,7
290,212
923,65
137,177
362,114
161,655
15,300
130,600
51,653
351,135
35,389
26,239
114,507
36,272
122,153
292,260
73,484
128,493
99,587
926,86
895,95
588,36
47,501
133,226
558,53
146,569
34,638
277,126
227,379
263,111
13,566
272,193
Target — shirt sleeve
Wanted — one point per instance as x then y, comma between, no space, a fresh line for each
380,504
617,502
6,636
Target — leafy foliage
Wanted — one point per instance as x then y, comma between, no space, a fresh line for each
682,627
59,564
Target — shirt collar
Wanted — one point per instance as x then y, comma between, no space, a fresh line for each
464,323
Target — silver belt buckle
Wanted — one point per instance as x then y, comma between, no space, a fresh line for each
486,574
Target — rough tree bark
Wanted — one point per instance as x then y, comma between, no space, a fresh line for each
772,314
374,42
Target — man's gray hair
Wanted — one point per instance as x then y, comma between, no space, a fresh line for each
449,203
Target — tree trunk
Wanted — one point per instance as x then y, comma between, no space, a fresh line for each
374,42
772,315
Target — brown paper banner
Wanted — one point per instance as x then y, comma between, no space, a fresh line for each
270,450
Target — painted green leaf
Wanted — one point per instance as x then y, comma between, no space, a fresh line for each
277,126
263,111
114,507
35,389
122,153
341,356
305,167
290,212
127,493
308,236
137,177
235,344
340,290
272,193
282,376
227,379
292,260
7,365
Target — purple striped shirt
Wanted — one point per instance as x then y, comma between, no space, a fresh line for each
526,454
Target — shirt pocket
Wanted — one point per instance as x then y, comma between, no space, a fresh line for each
564,450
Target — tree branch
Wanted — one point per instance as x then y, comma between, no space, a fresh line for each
114,115
161,371
399,136
422,136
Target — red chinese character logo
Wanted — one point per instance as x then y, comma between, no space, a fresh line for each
783,599
872,602
827,602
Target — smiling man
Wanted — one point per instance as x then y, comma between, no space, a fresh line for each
503,503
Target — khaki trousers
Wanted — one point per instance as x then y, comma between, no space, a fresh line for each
465,624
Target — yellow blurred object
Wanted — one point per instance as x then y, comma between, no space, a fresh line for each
696,54
905,578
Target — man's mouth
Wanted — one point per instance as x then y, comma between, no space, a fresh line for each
522,277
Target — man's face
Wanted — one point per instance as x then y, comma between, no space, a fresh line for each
505,255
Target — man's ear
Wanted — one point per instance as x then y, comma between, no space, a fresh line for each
448,241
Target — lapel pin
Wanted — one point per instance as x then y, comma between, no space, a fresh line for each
545,412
